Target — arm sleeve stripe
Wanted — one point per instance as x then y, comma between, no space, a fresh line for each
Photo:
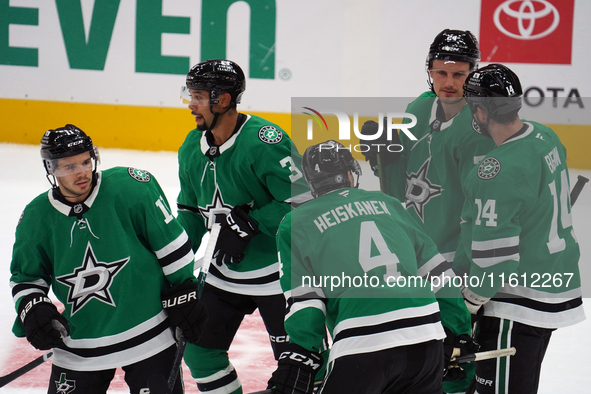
488,258
298,306
181,254
481,254
178,243
495,243
22,289
435,263
178,264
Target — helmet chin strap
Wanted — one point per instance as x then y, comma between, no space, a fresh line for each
216,115
51,179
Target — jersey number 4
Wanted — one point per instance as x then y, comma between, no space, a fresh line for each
560,197
371,234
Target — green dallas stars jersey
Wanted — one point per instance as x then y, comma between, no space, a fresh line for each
258,165
107,260
338,253
518,227
429,172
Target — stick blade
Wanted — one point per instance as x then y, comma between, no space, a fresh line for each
158,385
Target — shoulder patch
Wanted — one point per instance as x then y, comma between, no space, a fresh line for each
489,168
139,175
270,134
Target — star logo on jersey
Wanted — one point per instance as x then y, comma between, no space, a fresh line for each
489,168
64,385
216,208
270,134
139,175
419,190
91,280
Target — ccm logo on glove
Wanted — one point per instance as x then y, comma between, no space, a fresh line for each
234,226
300,358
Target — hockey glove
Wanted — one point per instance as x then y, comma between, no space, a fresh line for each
296,371
185,310
44,325
236,231
455,346
474,303
379,145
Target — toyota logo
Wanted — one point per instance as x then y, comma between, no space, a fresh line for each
526,18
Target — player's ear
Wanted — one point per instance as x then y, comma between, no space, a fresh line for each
481,115
225,99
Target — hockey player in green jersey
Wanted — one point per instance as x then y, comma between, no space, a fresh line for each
107,245
427,175
350,261
517,236
238,170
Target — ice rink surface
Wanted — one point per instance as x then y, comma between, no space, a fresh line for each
22,178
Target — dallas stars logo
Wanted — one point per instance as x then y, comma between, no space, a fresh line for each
489,168
64,385
91,280
270,134
217,207
139,175
419,190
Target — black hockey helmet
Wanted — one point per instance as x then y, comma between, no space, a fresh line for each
64,142
458,45
218,76
326,167
494,88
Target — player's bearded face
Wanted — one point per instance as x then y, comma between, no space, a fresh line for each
448,79
76,185
199,107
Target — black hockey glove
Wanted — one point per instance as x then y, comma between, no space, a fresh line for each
237,229
185,310
44,325
455,346
296,371
379,145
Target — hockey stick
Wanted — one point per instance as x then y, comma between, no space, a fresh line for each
471,389
574,194
207,256
4,380
485,355
157,383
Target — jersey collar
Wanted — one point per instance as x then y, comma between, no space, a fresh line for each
205,147
437,109
522,133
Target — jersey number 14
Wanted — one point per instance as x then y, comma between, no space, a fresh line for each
560,198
